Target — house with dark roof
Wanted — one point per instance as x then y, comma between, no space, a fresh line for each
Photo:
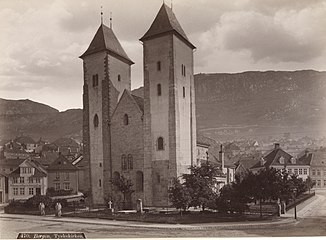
279,159
27,142
318,168
7,165
244,162
63,175
68,147
27,180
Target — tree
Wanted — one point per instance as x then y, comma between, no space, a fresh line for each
309,183
123,185
201,184
179,196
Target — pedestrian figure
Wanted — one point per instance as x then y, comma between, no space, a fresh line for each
59,209
42,209
56,209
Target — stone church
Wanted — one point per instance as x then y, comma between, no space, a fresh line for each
151,139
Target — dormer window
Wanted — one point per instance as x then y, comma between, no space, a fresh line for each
293,161
281,160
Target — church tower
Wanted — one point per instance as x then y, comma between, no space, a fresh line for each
169,109
107,70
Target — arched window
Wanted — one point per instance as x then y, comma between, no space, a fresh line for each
125,119
139,181
119,78
123,162
160,143
159,90
130,162
158,66
95,120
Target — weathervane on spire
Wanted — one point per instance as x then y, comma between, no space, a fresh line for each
101,15
111,20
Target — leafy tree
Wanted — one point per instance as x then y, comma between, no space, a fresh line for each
123,185
309,183
179,196
201,184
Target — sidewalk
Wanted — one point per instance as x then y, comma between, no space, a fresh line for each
306,207
286,219
132,224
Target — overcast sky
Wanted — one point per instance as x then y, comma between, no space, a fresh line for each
41,39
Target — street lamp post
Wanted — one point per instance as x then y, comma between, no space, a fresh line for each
295,204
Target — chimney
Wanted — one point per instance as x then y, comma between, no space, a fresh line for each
276,146
221,157
306,152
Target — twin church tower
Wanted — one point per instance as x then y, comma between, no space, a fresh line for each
149,138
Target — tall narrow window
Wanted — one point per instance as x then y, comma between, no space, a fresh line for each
95,80
158,66
160,143
100,183
183,70
184,92
159,90
125,119
130,162
123,162
119,78
95,120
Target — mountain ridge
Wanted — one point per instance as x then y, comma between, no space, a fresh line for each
228,106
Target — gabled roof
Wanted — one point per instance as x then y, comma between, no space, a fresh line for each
319,158
105,40
39,171
139,101
273,158
61,163
248,161
10,163
66,142
166,22
203,140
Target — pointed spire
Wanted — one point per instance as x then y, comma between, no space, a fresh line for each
101,15
166,22
172,5
105,40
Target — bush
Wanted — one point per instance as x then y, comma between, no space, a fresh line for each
34,201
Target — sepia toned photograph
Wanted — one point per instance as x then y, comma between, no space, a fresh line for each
162,119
